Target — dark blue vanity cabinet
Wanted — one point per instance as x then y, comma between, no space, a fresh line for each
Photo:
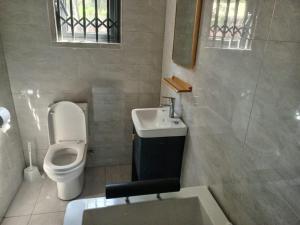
155,158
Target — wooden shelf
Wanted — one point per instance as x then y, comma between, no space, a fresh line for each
177,84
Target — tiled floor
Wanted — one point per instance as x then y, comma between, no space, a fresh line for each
37,203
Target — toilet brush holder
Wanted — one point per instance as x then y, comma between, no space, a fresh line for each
31,173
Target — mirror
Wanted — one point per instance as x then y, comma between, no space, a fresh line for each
186,32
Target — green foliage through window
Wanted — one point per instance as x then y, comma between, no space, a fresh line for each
88,20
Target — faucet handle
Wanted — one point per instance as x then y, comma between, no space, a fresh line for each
168,97
172,99
172,105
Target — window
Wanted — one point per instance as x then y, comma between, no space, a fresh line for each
232,24
92,21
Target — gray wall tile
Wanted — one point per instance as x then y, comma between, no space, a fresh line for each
11,157
243,116
285,23
66,73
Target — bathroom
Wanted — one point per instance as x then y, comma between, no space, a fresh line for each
229,70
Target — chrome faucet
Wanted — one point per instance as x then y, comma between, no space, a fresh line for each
171,105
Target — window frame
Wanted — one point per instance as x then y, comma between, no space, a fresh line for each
81,43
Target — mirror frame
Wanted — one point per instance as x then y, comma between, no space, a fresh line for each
195,35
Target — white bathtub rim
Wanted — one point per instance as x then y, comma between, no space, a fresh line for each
76,208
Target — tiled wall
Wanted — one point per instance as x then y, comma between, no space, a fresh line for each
41,73
11,157
244,116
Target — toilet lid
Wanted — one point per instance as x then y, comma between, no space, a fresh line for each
68,122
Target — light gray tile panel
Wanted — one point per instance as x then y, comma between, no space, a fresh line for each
66,73
118,174
11,157
285,23
56,218
243,137
94,183
25,200
48,200
20,220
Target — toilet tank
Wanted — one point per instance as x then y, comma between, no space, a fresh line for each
67,121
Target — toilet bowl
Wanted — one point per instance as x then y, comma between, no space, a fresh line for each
66,156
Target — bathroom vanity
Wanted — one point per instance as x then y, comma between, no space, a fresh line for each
158,143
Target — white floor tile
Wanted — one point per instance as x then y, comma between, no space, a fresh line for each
25,200
48,200
41,202
47,219
20,220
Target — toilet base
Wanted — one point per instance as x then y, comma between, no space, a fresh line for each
71,189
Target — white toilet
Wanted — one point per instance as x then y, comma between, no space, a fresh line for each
65,160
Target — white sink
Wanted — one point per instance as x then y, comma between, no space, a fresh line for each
155,122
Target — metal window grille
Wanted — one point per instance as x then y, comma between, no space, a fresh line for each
232,24
88,20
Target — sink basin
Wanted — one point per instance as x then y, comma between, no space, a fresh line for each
155,122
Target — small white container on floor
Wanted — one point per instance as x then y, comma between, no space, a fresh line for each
31,173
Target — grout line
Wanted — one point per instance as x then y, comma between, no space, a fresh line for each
8,217
43,183
14,198
29,220
44,213
11,217
254,97
281,41
30,215
259,74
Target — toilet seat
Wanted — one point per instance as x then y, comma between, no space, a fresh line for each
66,156
54,150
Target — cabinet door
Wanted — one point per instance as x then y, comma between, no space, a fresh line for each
158,158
